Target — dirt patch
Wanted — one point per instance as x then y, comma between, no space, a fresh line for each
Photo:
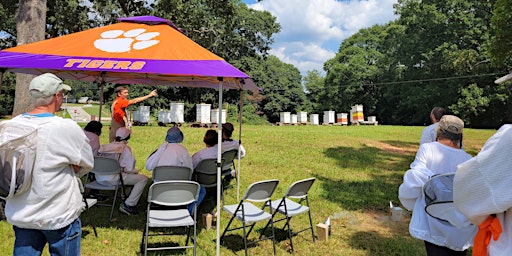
391,148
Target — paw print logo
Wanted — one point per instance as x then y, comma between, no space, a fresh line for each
121,41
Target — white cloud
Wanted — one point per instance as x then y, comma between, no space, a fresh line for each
312,30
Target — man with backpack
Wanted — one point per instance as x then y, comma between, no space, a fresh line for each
48,211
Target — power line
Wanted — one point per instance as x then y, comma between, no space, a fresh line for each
433,79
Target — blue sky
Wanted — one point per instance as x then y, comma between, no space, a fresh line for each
312,30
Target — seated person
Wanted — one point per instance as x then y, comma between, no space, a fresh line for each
171,152
122,152
229,144
210,139
93,131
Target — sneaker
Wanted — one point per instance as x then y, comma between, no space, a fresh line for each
130,210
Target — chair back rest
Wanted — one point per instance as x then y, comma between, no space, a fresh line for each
173,193
260,191
206,171
106,166
299,189
229,156
168,172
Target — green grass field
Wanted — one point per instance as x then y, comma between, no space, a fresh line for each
358,171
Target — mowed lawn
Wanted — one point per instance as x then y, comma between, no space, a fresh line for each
358,170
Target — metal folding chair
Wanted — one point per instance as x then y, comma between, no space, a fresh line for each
168,172
229,157
250,214
289,208
107,166
205,174
176,194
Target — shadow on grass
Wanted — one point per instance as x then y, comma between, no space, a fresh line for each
376,244
234,240
374,173
99,215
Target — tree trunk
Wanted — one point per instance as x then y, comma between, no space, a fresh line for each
30,25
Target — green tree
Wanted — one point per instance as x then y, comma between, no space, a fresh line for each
501,34
282,88
314,84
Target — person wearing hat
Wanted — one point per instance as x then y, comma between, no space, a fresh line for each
441,156
172,153
120,150
118,109
482,192
429,134
49,211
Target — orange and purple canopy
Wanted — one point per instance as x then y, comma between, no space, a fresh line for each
137,50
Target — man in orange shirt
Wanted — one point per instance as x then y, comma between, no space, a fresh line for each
119,109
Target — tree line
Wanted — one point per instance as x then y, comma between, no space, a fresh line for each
436,53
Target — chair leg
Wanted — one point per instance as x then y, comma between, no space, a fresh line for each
273,235
268,223
195,230
311,226
188,235
290,233
93,228
227,227
146,239
245,238
142,241
113,203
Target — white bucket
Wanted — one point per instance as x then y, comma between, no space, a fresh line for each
397,213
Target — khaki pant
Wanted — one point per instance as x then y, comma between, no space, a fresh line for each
113,128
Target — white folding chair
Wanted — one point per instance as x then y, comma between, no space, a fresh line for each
289,208
107,166
229,158
205,174
169,172
250,214
176,194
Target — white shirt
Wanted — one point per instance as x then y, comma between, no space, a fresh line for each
230,145
206,153
54,199
429,134
483,186
433,158
94,141
173,154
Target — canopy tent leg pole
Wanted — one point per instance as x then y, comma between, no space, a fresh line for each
1,78
101,101
102,85
241,105
219,167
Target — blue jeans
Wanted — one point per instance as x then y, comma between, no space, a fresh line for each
64,241
202,194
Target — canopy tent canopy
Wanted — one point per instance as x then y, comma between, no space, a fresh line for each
137,50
